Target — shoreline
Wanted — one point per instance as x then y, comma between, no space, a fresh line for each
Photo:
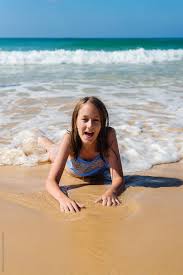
146,229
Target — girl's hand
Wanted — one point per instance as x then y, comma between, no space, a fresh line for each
108,199
67,205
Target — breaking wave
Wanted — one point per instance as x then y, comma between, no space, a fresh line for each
82,57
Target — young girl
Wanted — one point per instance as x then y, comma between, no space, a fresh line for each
89,149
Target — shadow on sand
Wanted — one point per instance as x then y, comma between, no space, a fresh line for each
134,180
153,182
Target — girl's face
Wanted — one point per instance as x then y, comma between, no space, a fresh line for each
88,123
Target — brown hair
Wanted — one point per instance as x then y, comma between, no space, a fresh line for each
76,143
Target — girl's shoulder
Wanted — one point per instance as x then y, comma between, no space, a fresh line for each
66,138
110,129
111,135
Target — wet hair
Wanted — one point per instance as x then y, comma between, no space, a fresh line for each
76,143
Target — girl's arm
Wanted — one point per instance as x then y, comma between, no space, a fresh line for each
110,196
114,159
52,182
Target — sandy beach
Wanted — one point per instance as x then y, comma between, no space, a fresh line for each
142,236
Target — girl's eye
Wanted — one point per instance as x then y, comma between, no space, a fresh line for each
96,120
86,119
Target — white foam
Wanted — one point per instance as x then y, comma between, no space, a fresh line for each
15,156
24,150
89,57
139,149
144,103
142,152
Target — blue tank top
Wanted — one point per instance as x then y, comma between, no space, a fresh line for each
85,168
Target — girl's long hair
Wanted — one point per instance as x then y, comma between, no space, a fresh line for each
76,143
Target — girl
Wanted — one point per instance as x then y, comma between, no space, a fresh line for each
89,149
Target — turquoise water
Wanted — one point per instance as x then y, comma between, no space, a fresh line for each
25,44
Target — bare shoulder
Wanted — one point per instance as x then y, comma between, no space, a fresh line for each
65,141
111,135
113,153
67,136
113,149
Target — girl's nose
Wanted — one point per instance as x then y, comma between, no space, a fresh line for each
89,124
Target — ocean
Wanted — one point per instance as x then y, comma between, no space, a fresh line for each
139,80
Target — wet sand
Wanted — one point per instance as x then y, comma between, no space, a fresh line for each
142,236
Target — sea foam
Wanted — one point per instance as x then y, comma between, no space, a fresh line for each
24,150
139,150
89,57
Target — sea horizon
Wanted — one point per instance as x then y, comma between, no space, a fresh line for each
90,37
91,43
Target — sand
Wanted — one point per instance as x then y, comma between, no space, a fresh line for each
142,236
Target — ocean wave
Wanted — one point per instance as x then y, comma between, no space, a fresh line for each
25,150
82,57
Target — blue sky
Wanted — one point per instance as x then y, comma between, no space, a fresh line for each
91,18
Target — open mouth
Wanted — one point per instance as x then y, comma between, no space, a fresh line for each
89,134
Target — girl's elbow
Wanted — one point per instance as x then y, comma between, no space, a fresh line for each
50,183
